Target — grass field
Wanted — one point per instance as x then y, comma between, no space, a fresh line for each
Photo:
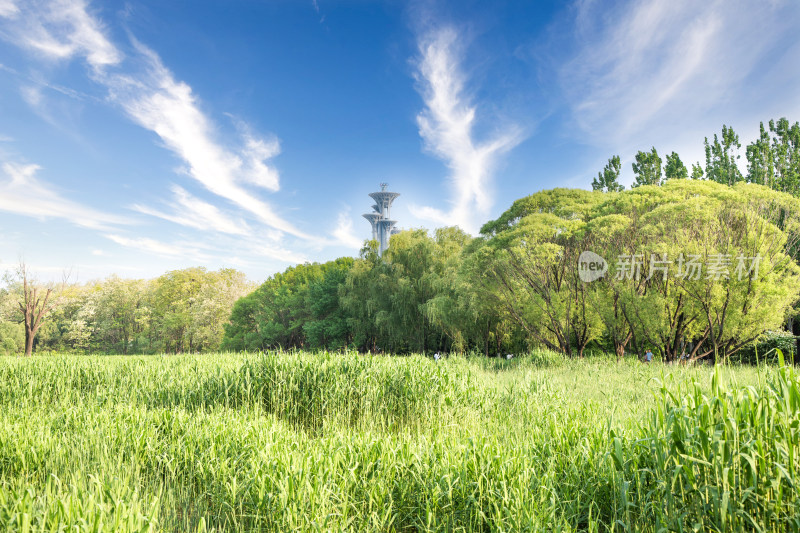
345,442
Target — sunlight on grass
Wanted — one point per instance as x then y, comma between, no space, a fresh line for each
338,442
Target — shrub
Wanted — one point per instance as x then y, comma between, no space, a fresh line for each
764,349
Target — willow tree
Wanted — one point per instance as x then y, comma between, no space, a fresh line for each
327,325
746,238
362,298
459,307
690,263
401,301
640,302
716,264
463,310
409,282
615,236
530,266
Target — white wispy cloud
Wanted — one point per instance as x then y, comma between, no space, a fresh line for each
58,113
158,102
61,29
256,151
647,72
222,234
447,126
32,96
23,194
315,5
146,90
284,255
190,211
8,8
344,232
152,246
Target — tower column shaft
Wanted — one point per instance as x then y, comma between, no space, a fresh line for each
381,223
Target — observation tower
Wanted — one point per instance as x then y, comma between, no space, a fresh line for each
382,225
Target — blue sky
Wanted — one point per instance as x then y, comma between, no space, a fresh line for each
144,136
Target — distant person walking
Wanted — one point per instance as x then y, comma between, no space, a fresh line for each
648,357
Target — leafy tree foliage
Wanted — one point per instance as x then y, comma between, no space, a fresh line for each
12,334
531,272
774,158
722,158
647,168
460,307
34,301
519,285
402,302
533,268
183,310
327,326
607,180
697,171
274,314
675,169
361,296
716,225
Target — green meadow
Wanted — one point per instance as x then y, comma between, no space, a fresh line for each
297,441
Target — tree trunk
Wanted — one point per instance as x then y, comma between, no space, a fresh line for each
620,350
486,340
34,307
29,335
620,345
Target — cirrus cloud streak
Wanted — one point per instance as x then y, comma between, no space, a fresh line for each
447,127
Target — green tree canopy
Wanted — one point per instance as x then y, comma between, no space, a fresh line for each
675,169
608,179
741,240
647,168
722,158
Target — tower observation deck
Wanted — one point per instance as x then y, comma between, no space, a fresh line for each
382,225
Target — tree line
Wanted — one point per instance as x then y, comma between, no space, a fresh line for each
698,263
180,311
692,266
518,284
773,160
